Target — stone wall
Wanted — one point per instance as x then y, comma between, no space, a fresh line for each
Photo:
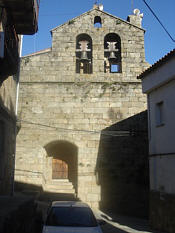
59,105
7,135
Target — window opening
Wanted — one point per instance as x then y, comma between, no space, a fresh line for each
160,114
1,44
84,54
97,22
112,53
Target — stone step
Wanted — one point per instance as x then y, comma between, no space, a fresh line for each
71,191
61,189
60,182
59,186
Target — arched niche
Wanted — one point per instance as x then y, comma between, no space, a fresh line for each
64,158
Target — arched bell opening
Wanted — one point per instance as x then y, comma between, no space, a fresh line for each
112,53
64,159
84,54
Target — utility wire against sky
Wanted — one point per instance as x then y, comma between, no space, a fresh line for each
132,7
50,14
159,21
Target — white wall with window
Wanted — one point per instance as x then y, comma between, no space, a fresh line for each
158,82
162,119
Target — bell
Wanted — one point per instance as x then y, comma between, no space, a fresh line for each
112,56
84,56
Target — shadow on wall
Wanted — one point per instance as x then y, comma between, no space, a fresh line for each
4,97
7,144
42,200
122,168
38,192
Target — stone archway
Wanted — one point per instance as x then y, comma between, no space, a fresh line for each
61,162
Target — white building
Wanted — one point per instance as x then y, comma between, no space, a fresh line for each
158,82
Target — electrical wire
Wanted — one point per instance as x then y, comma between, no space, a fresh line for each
58,14
159,21
132,5
113,133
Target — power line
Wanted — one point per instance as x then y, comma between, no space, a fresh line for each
58,14
159,21
113,133
132,5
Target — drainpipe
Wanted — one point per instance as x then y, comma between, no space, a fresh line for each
17,90
16,113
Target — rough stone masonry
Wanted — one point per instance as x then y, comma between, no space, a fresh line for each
63,109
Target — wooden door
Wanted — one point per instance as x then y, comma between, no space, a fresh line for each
59,169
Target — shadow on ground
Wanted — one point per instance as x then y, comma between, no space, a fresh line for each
123,224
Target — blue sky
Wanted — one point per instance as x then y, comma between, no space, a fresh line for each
55,12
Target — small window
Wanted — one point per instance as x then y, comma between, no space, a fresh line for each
160,114
97,22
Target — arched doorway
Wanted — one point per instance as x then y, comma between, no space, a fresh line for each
62,165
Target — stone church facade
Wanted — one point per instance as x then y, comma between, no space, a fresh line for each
70,94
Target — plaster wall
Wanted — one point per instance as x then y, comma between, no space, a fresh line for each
162,137
162,174
159,84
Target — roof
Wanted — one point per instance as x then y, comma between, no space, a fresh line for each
157,64
124,21
69,204
38,52
24,15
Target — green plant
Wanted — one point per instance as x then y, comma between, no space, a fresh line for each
26,60
71,22
118,22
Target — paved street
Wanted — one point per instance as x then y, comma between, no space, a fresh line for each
123,224
115,224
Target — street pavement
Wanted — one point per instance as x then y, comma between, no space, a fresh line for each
122,224
114,223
